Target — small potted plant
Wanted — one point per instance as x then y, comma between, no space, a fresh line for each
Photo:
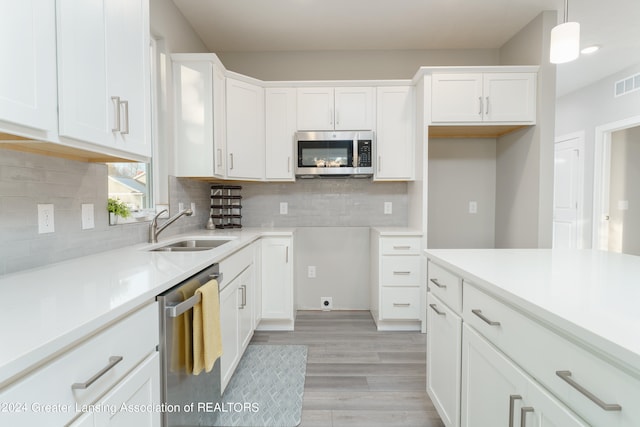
117,208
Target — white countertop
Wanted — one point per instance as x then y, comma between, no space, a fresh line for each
48,309
593,296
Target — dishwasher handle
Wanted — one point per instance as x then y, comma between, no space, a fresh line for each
186,305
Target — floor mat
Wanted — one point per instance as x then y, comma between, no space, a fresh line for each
267,388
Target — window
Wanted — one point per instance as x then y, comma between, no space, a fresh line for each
131,183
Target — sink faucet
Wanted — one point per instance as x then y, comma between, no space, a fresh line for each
154,230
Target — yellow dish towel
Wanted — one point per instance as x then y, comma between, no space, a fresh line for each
207,338
182,351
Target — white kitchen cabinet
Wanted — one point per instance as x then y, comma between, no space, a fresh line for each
200,127
245,130
280,127
277,284
28,94
395,280
483,97
496,392
134,400
395,133
340,108
103,73
236,309
444,335
110,357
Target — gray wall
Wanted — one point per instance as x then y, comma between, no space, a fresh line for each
586,109
524,177
27,180
624,224
349,65
460,171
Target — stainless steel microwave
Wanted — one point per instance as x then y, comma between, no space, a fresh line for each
334,154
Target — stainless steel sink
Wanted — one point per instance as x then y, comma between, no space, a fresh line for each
191,245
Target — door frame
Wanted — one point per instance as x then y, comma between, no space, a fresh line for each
579,144
601,176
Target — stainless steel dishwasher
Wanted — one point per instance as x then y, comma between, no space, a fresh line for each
188,398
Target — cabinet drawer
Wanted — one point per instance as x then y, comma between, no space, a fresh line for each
132,339
400,302
545,355
400,270
400,245
236,263
445,285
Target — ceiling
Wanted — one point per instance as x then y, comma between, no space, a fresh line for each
313,25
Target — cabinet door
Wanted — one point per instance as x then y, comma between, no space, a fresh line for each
28,78
510,97
245,130
456,98
354,108
219,121
444,348
193,87
315,108
280,127
245,314
140,389
395,142
277,279
229,303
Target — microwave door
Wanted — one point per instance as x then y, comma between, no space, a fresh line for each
325,154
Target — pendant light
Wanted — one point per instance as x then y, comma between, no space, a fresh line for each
565,40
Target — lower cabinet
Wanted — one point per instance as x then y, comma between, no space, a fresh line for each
133,402
495,392
277,284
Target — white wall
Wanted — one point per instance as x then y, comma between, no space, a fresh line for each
585,110
460,171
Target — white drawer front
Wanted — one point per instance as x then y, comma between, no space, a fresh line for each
400,245
400,270
234,264
543,353
400,303
133,339
445,285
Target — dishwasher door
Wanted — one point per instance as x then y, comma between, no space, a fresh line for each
189,399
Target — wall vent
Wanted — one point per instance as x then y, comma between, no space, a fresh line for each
627,85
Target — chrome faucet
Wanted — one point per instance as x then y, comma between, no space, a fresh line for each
154,230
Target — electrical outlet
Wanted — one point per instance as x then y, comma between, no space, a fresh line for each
88,220
473,207
45,219
284,208
311,272
388,208
180,206
326,303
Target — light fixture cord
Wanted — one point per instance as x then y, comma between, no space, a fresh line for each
566,11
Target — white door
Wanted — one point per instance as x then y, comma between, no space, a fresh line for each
229,303
315,108
509,97
280,126
456,98
567,198
395,133
354,108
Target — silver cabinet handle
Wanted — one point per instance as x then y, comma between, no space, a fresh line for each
480,104
379,163
116,113
486,110
397,304
337,117
512,400
230,161
178,309
438,284
405,248
125,104
523,415
438,312
289,164
113,361
330,116
286,255
243,304
566,376
402,273
484,318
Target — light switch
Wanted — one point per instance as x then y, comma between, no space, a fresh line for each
45,219
311,272
388,208
473,207
284,208
88,220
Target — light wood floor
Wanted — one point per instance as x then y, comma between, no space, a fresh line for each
357,376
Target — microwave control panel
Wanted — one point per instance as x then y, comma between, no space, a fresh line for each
364,153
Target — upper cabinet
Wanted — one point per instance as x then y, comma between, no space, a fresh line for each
245,130
103,73
199,96
340,108
28,78
395,136
280,126
483,97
